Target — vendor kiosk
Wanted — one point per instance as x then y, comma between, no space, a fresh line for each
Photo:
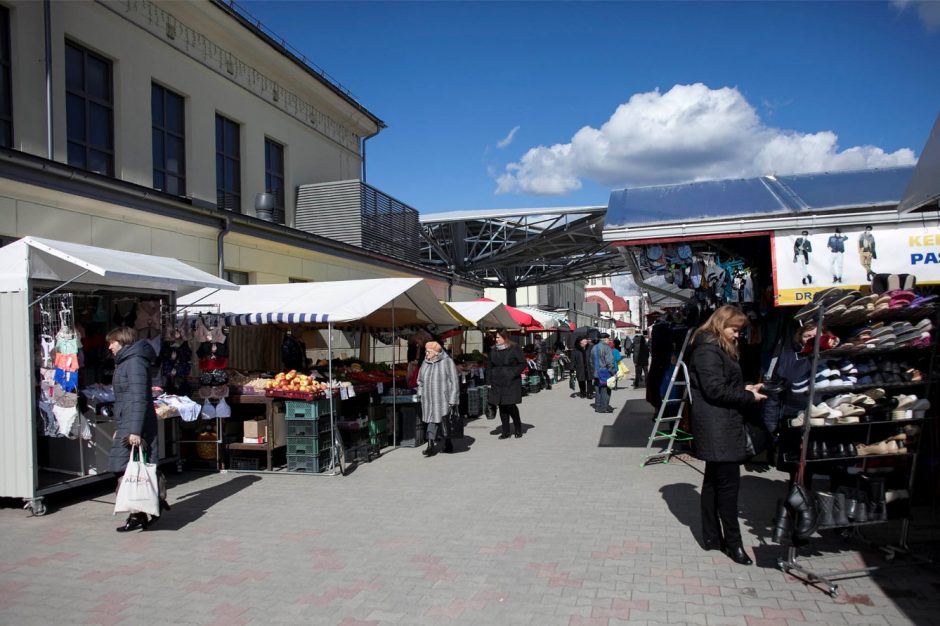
36,271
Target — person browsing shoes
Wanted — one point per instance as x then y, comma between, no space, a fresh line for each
719,396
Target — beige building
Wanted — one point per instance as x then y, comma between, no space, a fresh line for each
159,125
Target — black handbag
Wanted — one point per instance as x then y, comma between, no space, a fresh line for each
453,424
756,438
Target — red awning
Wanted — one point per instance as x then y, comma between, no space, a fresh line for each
622,324
526,321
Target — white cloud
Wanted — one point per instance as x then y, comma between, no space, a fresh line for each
689,133
505,141
927,10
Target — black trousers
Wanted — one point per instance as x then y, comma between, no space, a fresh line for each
582,388
507,411
546,381
720,504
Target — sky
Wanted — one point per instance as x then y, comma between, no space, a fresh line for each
494,105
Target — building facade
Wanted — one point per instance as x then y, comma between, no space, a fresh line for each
153,127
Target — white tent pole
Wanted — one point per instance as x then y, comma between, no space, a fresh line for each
329,369
49,293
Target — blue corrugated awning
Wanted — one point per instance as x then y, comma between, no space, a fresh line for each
757,196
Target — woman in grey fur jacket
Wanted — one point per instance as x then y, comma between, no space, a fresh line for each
439,389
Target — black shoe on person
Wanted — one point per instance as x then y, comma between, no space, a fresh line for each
738,555
134,521
504,436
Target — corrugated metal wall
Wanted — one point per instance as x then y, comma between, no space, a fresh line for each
17,433
331,210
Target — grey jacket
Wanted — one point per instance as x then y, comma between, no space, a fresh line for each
605,357
438,387
133,404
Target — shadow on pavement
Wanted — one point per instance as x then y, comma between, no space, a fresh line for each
189,507
631,428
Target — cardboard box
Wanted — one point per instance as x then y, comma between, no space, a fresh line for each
254,440
255,429
279,432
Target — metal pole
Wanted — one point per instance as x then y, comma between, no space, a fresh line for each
329,369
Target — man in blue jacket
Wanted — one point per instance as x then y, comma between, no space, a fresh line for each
602,358
836,246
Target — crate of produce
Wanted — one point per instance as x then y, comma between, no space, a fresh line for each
378,426
303,446
304,463
304,428
245,463
294,410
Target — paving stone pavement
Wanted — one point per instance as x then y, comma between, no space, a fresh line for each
559,527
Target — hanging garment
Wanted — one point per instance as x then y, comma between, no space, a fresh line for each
50,428
66,342
65,416
67,380
66,362
46,345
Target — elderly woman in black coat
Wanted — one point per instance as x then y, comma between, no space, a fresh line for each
503,373
582,365
718,397
134,415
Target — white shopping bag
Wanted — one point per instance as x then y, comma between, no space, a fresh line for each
139,490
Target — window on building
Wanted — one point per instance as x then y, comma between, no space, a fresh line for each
274,176
298,280
89,109
235,277
169,140
6,81
228,183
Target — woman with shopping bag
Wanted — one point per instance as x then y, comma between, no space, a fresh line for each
135,421
439,389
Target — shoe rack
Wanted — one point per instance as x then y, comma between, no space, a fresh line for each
884,410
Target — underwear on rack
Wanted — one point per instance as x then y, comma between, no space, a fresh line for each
65,344
67,380
46,344
65,417
66,362
208,365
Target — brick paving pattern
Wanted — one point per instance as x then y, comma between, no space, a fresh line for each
559,527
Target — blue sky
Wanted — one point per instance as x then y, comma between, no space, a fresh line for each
537,104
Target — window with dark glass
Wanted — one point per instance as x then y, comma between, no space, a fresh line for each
235,277
228,184
169,141
6,81
274,176
89,110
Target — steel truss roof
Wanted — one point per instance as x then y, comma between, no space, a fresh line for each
522,247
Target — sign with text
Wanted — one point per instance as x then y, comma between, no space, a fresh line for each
809,260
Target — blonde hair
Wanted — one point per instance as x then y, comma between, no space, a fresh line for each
725,317
433,345
123,335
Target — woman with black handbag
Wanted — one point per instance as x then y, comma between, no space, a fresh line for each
439,389
503,374
719,400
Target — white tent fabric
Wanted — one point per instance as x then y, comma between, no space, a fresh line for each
378,303
60,261
483,313
546,319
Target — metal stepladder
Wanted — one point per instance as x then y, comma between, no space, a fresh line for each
666,426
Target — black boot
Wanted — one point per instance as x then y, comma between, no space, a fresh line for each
877,511
429,451
783,524
134,521
825,503
805,509
839,516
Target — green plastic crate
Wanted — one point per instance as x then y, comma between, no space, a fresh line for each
303,445
378,426
296,410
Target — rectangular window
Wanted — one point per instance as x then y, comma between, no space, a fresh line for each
274,176
6,81
228,184
89,110
235,277
169,140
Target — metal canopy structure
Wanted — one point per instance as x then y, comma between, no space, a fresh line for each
520,247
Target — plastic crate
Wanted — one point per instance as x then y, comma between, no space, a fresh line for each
378,426
310,463
474,403
245,463
294,410
534,381
302,428
379,441
303,446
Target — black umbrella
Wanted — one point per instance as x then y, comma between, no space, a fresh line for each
585,330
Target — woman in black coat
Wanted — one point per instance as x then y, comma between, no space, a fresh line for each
718,397
134,415
582,365
503,374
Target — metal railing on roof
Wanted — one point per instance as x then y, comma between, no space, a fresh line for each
298,56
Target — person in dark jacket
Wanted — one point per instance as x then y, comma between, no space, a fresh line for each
503,374
718,397
545,362
134,416
791,368
641,360
581,365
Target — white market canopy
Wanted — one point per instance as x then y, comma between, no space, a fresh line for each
483,314
546,319
376,303
64,262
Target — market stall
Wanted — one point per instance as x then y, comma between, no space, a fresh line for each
47,289
377,305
